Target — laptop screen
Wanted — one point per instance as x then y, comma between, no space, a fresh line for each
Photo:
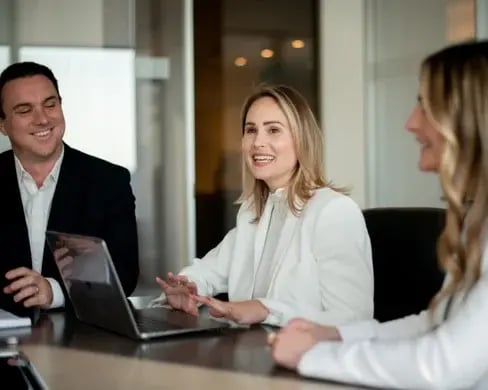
80,258
96,294
91,281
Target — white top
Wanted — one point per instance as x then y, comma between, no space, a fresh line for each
37,206
322,266
415,352
274,222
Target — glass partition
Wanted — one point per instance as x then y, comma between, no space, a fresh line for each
400,35
122,75
239,44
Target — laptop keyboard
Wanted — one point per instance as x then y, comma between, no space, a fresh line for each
148,324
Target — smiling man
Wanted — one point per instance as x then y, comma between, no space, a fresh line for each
48,185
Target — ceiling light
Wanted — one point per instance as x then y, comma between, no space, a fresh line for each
267,53
240,61
297,44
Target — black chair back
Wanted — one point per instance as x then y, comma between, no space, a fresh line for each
405,264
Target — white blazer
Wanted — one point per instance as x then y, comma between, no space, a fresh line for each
416,352
323,267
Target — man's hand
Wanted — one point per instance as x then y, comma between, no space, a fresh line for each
29,286
243,312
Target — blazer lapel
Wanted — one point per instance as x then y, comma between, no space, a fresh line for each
66,197
13,214
65,204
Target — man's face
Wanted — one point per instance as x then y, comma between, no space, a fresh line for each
34,120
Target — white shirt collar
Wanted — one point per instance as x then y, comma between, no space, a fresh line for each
277,195
22,174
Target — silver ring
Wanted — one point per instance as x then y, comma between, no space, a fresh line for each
37,290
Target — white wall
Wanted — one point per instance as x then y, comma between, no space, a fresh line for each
400,35
4,61
5,37
482,19
51,22
370,55
342,88
97,87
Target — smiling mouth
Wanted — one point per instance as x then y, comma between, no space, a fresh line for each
42,133
262,159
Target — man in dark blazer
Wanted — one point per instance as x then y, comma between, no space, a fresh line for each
45,184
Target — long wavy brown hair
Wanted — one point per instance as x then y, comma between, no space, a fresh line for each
454,89
307,137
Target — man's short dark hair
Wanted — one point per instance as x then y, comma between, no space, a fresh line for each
24,69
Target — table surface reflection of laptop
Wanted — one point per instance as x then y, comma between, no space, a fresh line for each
96,294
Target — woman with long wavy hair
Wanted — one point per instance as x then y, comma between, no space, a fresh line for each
300,247
445,347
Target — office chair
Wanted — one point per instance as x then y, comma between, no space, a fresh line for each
406,271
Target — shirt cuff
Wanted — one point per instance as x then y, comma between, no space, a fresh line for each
158,302
311,363
161,301
361,330
275,315
58,296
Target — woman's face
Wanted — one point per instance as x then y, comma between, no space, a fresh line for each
430,139
267,144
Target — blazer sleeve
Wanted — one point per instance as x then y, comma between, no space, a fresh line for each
211,273
453,355
410,326
342,251
120,229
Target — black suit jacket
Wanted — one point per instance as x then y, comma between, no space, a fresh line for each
92,197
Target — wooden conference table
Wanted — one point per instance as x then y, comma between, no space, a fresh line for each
71,355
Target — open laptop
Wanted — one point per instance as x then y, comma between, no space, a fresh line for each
96,294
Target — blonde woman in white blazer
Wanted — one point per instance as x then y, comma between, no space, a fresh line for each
447,346
299,248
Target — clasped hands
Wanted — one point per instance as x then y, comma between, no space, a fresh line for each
290,343
28,286
182,294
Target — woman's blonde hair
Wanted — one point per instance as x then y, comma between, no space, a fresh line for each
308,174
454,89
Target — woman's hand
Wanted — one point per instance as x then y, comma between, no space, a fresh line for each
319,332
243,312
179,291
293,341
289,345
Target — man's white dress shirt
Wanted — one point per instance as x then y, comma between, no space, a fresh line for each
37,207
